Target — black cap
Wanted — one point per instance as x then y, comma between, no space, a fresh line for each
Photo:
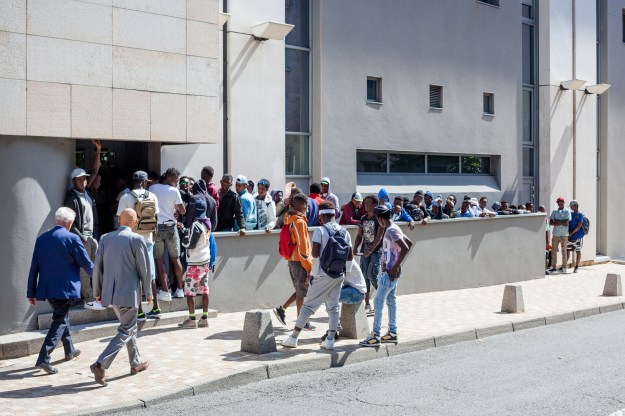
140,176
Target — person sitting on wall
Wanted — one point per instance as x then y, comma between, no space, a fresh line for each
465,211
482,210
399,213
450,206
351,212
437,212
416,210
504,208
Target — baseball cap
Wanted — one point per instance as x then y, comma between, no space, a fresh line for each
573,202
357,197
435,203
560,199
78,172
140,176
430,194
380,209
241,179
473,201
325,180
199,203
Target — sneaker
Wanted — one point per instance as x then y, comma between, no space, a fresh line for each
164,296
203,323
290,342
75,354
336,336
575,269
179,294
327,344
552,270
141,316
154,314
309,327
564,271
371,341
369,310
280,314
389,337
188,324
94,305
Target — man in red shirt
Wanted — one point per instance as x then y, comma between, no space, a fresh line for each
351,212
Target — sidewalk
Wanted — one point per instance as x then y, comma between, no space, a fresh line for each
186,361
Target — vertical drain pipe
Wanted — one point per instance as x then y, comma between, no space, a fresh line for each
225,104
574,54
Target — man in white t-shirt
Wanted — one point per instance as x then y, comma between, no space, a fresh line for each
129,200
170,207
323,288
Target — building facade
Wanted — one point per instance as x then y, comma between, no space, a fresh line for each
465,97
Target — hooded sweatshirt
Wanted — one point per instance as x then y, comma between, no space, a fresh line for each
384,198
299,235
329,196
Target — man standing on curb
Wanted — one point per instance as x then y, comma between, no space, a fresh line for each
121,269
576,234
54,275
559,219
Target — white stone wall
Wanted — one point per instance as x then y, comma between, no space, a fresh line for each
110,69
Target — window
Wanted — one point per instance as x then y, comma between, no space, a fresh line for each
476,165
527,11
368,162
491,2
528,111
436,96
528,161
374,89
406,163
297,155
623,25
418,163
443,164
297,76
489,104
528,54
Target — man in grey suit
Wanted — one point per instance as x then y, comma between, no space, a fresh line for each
121,266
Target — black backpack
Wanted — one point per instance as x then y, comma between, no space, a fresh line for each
336,253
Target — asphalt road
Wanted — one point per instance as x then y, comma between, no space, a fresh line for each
573,368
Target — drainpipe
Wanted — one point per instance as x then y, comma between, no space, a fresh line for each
574,54
225,76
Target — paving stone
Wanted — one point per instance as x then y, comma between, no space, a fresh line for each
321,361
559,318
258,337
611,308
354,321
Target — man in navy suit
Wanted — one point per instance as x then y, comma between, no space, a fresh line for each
55,276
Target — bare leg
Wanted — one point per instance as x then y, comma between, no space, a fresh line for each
162,274
191,304
177,271
204,303
154,293
289,301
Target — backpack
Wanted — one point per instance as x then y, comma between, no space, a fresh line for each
336,253
146,211
285,244
585,225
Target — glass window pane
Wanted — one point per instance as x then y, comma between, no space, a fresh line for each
478,165
443,164
527,11
528,54
297,13
367,162
297,155
528,161
297,90
528,107
406,163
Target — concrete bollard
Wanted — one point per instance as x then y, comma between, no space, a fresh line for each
257,336
354,321
613,285
512,299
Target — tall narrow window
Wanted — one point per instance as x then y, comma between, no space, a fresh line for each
489,104
374,89
436,96
623,25
491,2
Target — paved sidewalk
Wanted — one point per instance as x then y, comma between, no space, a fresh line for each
188,361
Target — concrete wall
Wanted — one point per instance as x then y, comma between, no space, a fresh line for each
450,254
112,69
468,48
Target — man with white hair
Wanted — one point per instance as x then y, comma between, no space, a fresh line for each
55,276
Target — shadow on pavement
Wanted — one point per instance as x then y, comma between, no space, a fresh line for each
48,390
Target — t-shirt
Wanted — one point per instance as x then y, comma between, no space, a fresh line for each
369,226
354,277
87,216
576,219
128,200
321,236
390,248
560,215
168,197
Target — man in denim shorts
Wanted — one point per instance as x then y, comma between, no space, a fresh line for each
170,206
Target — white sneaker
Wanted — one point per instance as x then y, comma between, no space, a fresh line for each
327,344
164,296
290,342
94,305
179,294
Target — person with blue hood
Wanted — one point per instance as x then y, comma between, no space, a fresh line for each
384,198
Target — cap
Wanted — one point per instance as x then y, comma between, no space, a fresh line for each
140,176
199,204
430,194
419,192
76,173
325,180
241,179
560,199
357,197
473,201
435,203
496,206
380,209
573,202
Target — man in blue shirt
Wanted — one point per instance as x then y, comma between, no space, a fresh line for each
55,275
576,233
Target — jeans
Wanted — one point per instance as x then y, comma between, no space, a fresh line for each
351,296
371,269
59,330
323,289
387,291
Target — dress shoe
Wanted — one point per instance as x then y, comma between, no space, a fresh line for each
71,356
135,370
99,373
47,368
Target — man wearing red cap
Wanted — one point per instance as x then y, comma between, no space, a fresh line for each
559,219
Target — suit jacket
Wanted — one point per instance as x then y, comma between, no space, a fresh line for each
121,265
55,266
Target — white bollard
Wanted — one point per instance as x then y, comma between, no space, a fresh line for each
512,299
613,285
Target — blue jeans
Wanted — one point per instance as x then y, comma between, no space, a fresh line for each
351,296
371,269
387,291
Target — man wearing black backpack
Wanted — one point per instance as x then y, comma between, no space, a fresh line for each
333,247
576,234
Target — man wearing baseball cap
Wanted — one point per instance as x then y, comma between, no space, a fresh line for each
559,219
329,196
351,211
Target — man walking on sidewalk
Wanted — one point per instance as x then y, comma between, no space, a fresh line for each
559,219
54,275
121,268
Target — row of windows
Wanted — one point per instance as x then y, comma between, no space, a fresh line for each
374,95
383,162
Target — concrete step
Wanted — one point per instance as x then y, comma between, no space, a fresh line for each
78,315
28,343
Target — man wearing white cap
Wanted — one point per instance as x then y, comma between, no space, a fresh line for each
248,204
81,203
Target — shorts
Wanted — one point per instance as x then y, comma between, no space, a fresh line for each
575,245
196,280
298,277
167,236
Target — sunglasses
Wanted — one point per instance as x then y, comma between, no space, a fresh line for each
263,182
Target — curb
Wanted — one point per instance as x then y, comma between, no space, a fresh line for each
349,354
